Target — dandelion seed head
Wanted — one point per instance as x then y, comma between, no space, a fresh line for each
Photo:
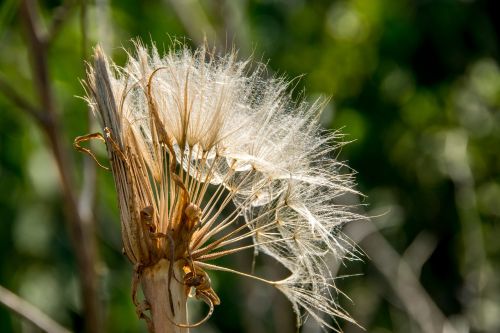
191,134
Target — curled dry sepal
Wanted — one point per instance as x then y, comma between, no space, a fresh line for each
209,159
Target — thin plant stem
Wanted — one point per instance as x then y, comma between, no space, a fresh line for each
81,229
29,312
158,291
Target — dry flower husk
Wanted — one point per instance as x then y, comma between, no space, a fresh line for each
210,159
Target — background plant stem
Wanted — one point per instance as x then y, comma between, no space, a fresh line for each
81,229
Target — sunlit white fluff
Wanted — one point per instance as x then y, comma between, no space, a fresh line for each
240,143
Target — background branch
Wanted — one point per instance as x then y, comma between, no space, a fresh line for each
29,312
59,17
81,229
400,278
18,100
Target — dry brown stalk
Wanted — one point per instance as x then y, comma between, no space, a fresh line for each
80,226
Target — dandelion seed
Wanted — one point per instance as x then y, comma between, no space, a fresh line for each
206,157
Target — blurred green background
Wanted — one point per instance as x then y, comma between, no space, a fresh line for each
415,85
